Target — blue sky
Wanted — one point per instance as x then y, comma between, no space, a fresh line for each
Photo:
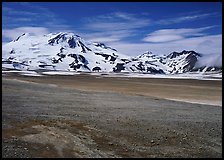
130,27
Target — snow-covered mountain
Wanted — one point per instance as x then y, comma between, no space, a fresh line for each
61,51
173,63
69,52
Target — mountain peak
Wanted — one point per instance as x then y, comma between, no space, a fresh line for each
68,38
146,54
184,52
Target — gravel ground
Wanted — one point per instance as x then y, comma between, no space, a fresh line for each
42,120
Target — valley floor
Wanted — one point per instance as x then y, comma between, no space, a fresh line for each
94,116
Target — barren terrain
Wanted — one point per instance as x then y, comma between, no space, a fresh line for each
95,116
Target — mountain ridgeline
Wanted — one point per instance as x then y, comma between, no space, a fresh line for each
69,52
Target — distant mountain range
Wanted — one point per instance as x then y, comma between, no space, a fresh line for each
69,52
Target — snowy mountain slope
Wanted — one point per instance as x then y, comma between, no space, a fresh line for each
69,52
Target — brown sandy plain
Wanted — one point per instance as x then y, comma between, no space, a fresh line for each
95,116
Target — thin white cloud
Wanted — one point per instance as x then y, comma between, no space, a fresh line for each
23,19
112,36
125,16
163,38
107,26
184,18
166,35
10,11
117,21
104,39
